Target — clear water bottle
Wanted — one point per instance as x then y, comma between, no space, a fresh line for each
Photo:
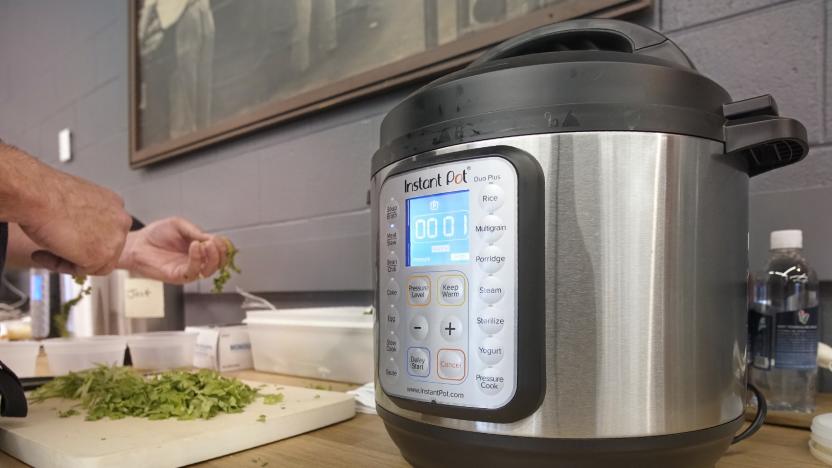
784,327
39,302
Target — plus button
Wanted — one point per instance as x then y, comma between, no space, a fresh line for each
450,329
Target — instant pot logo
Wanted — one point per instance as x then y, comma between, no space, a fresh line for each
449,178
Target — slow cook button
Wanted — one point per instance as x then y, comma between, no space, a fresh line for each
490,351
450,364
491,228
418,290
418,327
392,290
391,370
490,381
492,197
491,290
392,210
452,290
490,320
418,362
391,343
392,262
490,259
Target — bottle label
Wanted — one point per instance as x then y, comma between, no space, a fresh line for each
796,339
760,333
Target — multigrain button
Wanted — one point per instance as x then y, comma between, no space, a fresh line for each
490,381
451,328
393,292
418,290
492,197
391,370
418,362
392,210
490,259
452,290
392,262
491,289
418,327
490,319
490,351
392,317
450,364
491,228
391,343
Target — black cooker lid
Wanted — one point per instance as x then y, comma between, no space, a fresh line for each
575,76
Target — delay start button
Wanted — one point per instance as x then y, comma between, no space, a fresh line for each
418,362
452,290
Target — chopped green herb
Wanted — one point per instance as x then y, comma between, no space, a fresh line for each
272,399
62,317
224,273
67,413
261,418
119,392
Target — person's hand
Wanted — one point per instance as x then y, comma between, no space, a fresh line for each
174,251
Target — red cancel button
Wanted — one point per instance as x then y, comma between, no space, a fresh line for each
450,364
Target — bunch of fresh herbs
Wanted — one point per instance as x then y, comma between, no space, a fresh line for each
62,317
224,273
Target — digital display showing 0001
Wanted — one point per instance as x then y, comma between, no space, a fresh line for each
437,229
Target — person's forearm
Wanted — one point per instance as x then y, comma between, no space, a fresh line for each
20,248
22,193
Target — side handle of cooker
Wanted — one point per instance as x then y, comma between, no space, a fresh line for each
754,130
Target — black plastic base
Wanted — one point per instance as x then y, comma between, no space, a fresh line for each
425,445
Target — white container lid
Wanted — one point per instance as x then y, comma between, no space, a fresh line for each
820,445
330,317
786,239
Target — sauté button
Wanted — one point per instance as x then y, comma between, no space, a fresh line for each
491,228
418,327
492,197
392,316
391,370
392,262
418,290
490,351
490,259
391,343
452,290
392,290
450,364
418,362
490,381
490,319
491,289
451,328
391,211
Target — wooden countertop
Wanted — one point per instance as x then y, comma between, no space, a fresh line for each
362,441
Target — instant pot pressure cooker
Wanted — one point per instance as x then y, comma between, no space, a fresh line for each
561,237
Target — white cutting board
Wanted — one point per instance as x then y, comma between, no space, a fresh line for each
44,440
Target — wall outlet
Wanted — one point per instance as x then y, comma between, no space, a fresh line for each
65,145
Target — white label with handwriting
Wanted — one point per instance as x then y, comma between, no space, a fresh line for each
144,298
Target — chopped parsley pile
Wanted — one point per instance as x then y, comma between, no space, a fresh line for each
119,392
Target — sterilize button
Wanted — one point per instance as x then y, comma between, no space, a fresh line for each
492,197
490,381
490,259
391,370
418,327
491,228
392,210
491,290
452,290
450,364
418,362
490,319
391,343
418,290
490,351
392,316
392,262
392,290
451,328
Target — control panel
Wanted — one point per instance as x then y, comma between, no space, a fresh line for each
447,283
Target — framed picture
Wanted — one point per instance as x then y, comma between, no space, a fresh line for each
203,71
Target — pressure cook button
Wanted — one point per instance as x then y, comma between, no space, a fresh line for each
392,262
491,228
392,316
418,362
490,351
450,364
391,370
418,327
490,381
452,290
418,290
392,290
490,320
491,290
490,259
392,235
391,343
492,197
392,210
451,328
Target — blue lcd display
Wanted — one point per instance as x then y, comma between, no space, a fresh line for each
437,229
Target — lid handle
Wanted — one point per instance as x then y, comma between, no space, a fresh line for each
755,131
589,34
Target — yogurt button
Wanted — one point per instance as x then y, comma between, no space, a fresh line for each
490,259
491,228
490,351
490,319
491,289
492,197
490,381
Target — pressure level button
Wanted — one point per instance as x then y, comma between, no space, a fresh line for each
492,197
418,290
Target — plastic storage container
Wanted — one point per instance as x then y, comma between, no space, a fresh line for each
20,356
75,354
820,444
162,350
325,343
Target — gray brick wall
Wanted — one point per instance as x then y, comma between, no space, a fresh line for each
280,193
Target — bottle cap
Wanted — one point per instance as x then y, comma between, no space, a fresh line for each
787,239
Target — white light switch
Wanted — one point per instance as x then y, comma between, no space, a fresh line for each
65,145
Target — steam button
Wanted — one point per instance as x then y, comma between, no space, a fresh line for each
492,197
491,290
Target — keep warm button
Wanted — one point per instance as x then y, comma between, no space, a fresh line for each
452,290
450,364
